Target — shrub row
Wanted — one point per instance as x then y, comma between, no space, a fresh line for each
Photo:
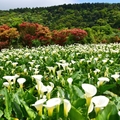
34,34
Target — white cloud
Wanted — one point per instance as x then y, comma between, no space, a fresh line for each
11,4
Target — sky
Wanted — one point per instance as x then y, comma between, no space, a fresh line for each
12,4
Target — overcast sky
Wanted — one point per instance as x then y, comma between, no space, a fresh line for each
11,4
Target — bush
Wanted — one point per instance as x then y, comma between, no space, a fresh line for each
32,31
68,36
7,34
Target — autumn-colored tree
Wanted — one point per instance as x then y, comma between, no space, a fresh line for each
29,32
68,36
7,34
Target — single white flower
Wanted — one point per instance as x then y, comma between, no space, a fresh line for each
65,65
37,66
100,102
90,108
59,73
41,87
67,107
70,80
31,63
51,104
1,67
37,77
21,81
102,80
90,91
111,61
38,105
36,71
96,59
14,64
81,60
49,89
105,60
96,71
73,62
6,84
115,76
119,113
9,78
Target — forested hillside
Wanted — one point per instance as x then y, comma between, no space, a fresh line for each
65,16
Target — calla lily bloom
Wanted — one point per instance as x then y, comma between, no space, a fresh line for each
96,71
49,89
37,77
90,91
14,64
41,88
90,108
59,73
102,80
38,105
65,65
67,107
70,80
6,84
21,81
9,78
51,104
100,102
119,113
115,76
52,69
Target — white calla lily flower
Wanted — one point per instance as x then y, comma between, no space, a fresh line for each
102,80
96,71
59,73
67,107
90,91
100,102
115,76
8,78
41,88
49,89
90,108
51,104
38,105
70,80
6,84
21,81
14,64
65,65
37,77
119,113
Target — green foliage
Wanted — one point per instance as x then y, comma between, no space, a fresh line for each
65,16
78,62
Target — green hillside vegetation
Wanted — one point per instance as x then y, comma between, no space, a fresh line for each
66,16
101,21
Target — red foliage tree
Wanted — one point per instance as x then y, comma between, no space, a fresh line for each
68,36
34,31
6,35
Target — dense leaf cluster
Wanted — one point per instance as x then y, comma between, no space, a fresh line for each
34,34
66,16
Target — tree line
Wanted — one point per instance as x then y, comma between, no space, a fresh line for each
65,16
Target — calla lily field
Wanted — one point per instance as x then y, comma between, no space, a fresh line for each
71,82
